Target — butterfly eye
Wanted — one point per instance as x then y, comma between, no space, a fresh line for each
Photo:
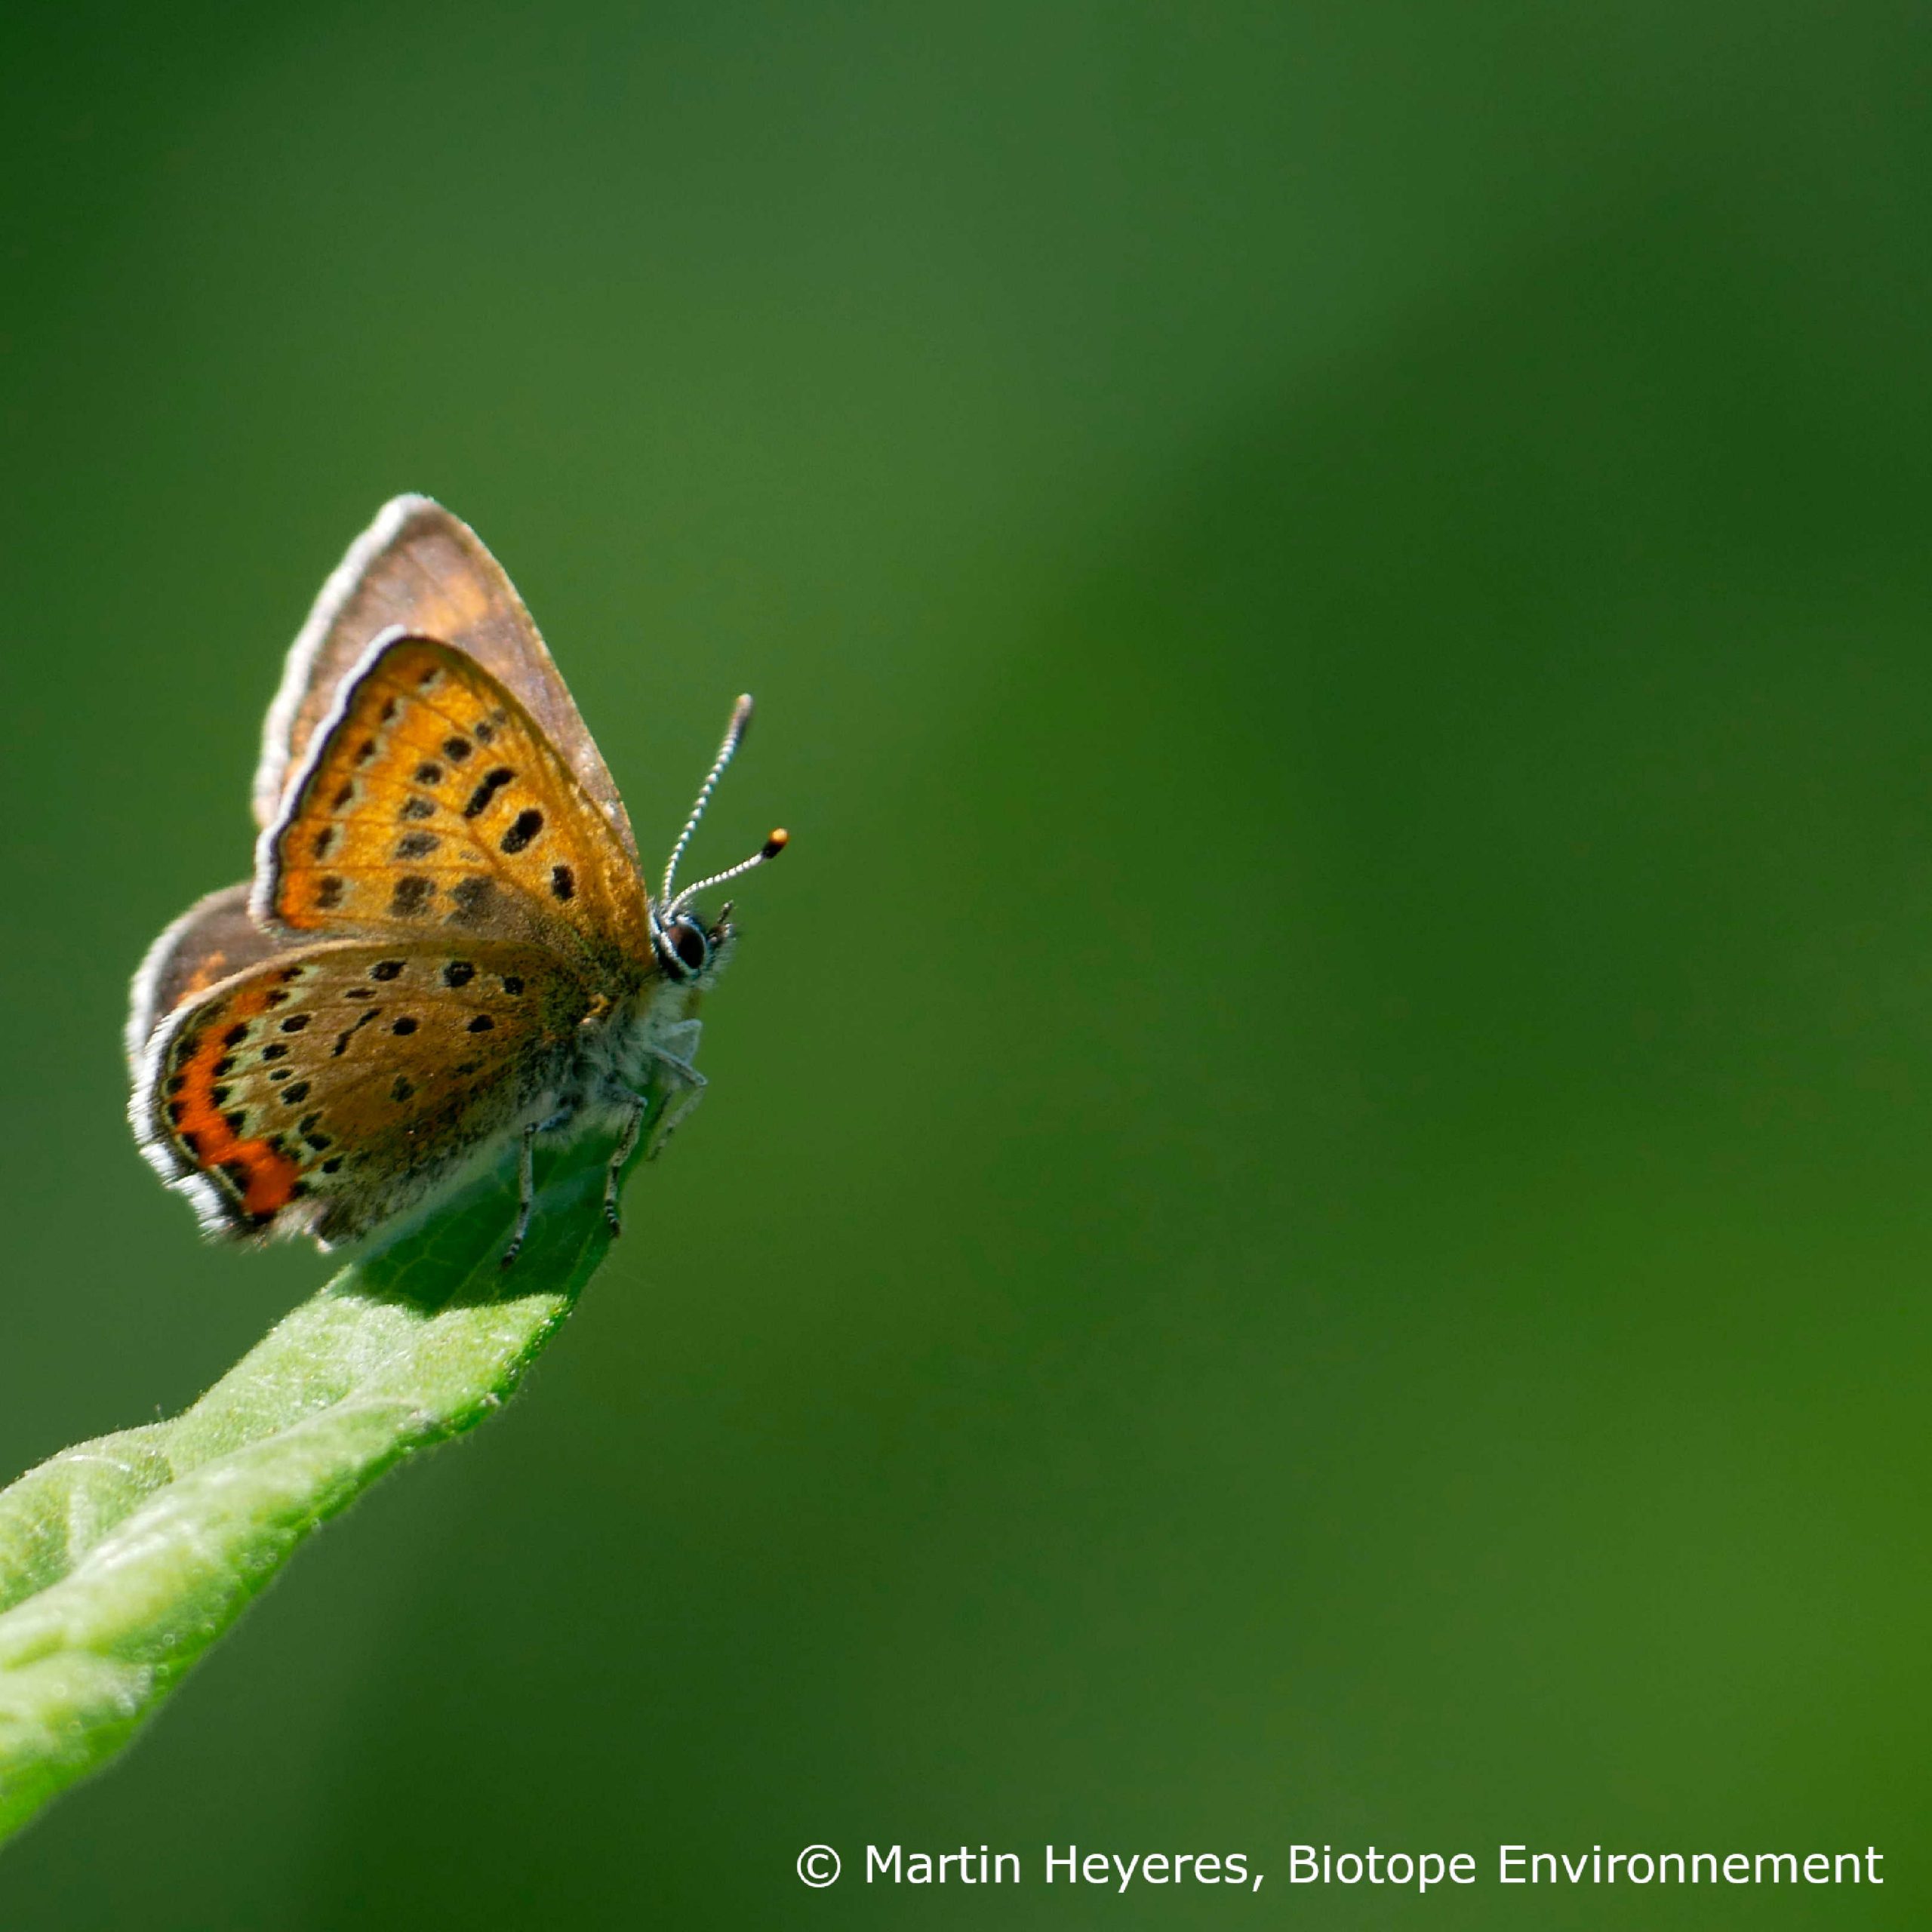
693,951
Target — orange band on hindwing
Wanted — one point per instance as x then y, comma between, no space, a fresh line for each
262,1177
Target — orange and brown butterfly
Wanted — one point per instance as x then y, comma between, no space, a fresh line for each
447,947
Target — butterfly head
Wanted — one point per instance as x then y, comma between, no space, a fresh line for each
690,952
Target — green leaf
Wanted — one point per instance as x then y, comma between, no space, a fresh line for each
123,1559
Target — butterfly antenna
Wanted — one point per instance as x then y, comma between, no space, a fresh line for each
734,732
775,843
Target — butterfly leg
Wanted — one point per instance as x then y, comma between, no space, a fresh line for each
626,1142
526,1180
680,1069
693,1083
526,1192
640,1110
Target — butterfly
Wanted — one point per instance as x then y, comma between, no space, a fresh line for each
447,947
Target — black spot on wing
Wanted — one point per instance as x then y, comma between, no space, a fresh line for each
411,896
491,784
349,1033
525,827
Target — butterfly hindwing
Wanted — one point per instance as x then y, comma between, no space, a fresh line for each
431,801
214,937
324,1089
420,569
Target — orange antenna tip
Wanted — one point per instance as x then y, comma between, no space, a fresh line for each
775,843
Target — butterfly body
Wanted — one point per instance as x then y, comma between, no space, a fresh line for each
446,946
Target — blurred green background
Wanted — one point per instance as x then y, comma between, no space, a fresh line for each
1312,1222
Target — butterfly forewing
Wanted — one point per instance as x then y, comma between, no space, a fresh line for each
328,1089
433,803
419,568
